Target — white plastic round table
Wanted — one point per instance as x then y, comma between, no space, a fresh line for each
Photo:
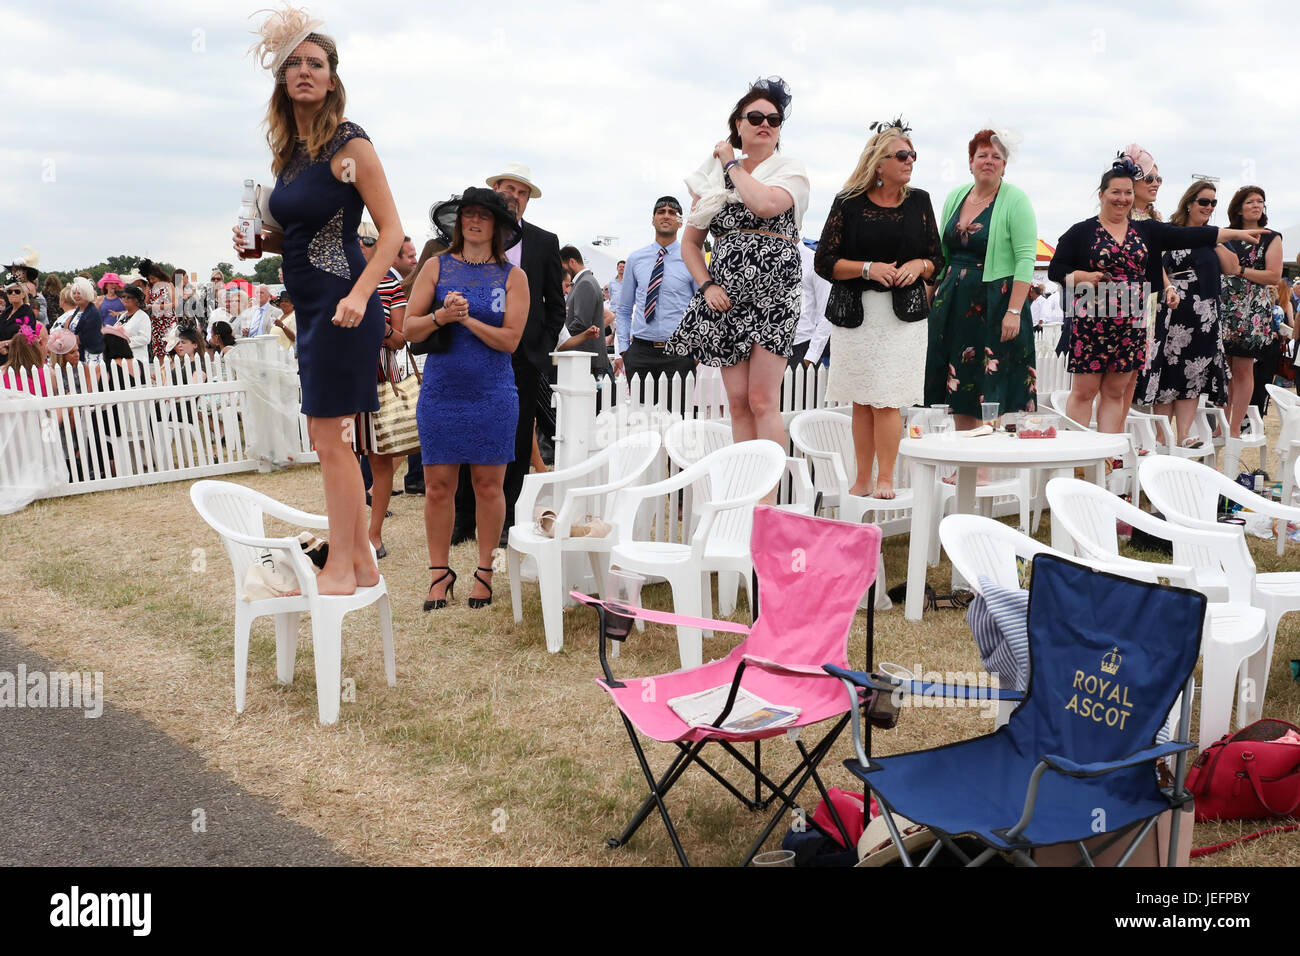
1061,455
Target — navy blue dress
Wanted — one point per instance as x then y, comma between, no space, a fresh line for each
322,260
468,406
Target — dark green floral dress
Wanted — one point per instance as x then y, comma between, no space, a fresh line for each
967,362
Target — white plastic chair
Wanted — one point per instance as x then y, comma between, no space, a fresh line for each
825,438
614,468
981,547
1288,409
236,514
1187,494
692,440
738,477
1141,434
1234,630
1233,448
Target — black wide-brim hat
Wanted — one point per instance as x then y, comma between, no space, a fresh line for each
444,214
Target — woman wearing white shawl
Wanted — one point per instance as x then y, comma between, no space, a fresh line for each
743,317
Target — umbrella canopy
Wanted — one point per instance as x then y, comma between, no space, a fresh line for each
1045,253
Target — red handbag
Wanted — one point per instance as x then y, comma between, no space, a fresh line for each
1249,775
849,806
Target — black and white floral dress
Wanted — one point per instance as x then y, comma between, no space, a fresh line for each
1188,359
761,274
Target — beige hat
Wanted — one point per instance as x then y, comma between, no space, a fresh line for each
876,846
132,277
520,173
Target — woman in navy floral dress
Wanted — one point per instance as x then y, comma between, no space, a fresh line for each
1109,265
326,173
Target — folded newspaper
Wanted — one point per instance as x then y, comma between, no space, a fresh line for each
749,713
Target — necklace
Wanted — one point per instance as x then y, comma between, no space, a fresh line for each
475,262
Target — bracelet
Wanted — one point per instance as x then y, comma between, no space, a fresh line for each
706,285
726,167
436,324
866,270
1013,312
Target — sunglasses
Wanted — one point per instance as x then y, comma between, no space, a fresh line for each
368,242
1152,179
903,155
756,118
13,291
1207,202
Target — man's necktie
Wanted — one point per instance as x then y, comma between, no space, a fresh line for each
652,290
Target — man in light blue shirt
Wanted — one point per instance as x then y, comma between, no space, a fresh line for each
657,287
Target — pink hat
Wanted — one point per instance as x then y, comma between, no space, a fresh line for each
108,277
118,331
1142,159
61,341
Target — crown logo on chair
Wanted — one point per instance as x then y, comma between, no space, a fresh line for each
1110,663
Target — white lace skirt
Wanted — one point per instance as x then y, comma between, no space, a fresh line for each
882,361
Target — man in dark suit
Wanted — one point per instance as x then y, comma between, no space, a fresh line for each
538,254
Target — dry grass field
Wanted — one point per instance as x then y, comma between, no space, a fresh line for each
489,751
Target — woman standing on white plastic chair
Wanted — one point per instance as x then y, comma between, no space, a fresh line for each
879,245
1245,303
326,172
1108,265
743,317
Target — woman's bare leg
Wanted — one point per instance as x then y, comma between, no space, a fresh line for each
1240,388
490,502
1113,408
439,507
736,381
864,449
888,424
349,564
382,467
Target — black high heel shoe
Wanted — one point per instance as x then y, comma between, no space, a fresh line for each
442,601
477,603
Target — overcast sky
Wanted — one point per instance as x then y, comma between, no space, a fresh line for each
131,126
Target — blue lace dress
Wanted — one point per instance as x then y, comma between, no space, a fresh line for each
468,404
322,260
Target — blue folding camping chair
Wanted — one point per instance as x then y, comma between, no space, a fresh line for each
1108,657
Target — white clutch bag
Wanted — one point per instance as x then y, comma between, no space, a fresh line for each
264,208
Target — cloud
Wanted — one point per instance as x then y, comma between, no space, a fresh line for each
150,119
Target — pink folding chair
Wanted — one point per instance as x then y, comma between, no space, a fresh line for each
812,573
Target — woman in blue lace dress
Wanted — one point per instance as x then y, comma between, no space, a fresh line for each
326,172
474,303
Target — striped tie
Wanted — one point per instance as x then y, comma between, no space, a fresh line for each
652,290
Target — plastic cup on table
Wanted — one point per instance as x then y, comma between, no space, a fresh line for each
989,413
775,858
623,589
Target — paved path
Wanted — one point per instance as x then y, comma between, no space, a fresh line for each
115,790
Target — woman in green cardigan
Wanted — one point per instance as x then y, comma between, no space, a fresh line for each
981,346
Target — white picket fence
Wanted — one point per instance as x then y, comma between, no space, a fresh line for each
238,413
700,396
95,429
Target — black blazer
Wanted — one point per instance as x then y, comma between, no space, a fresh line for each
540,260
